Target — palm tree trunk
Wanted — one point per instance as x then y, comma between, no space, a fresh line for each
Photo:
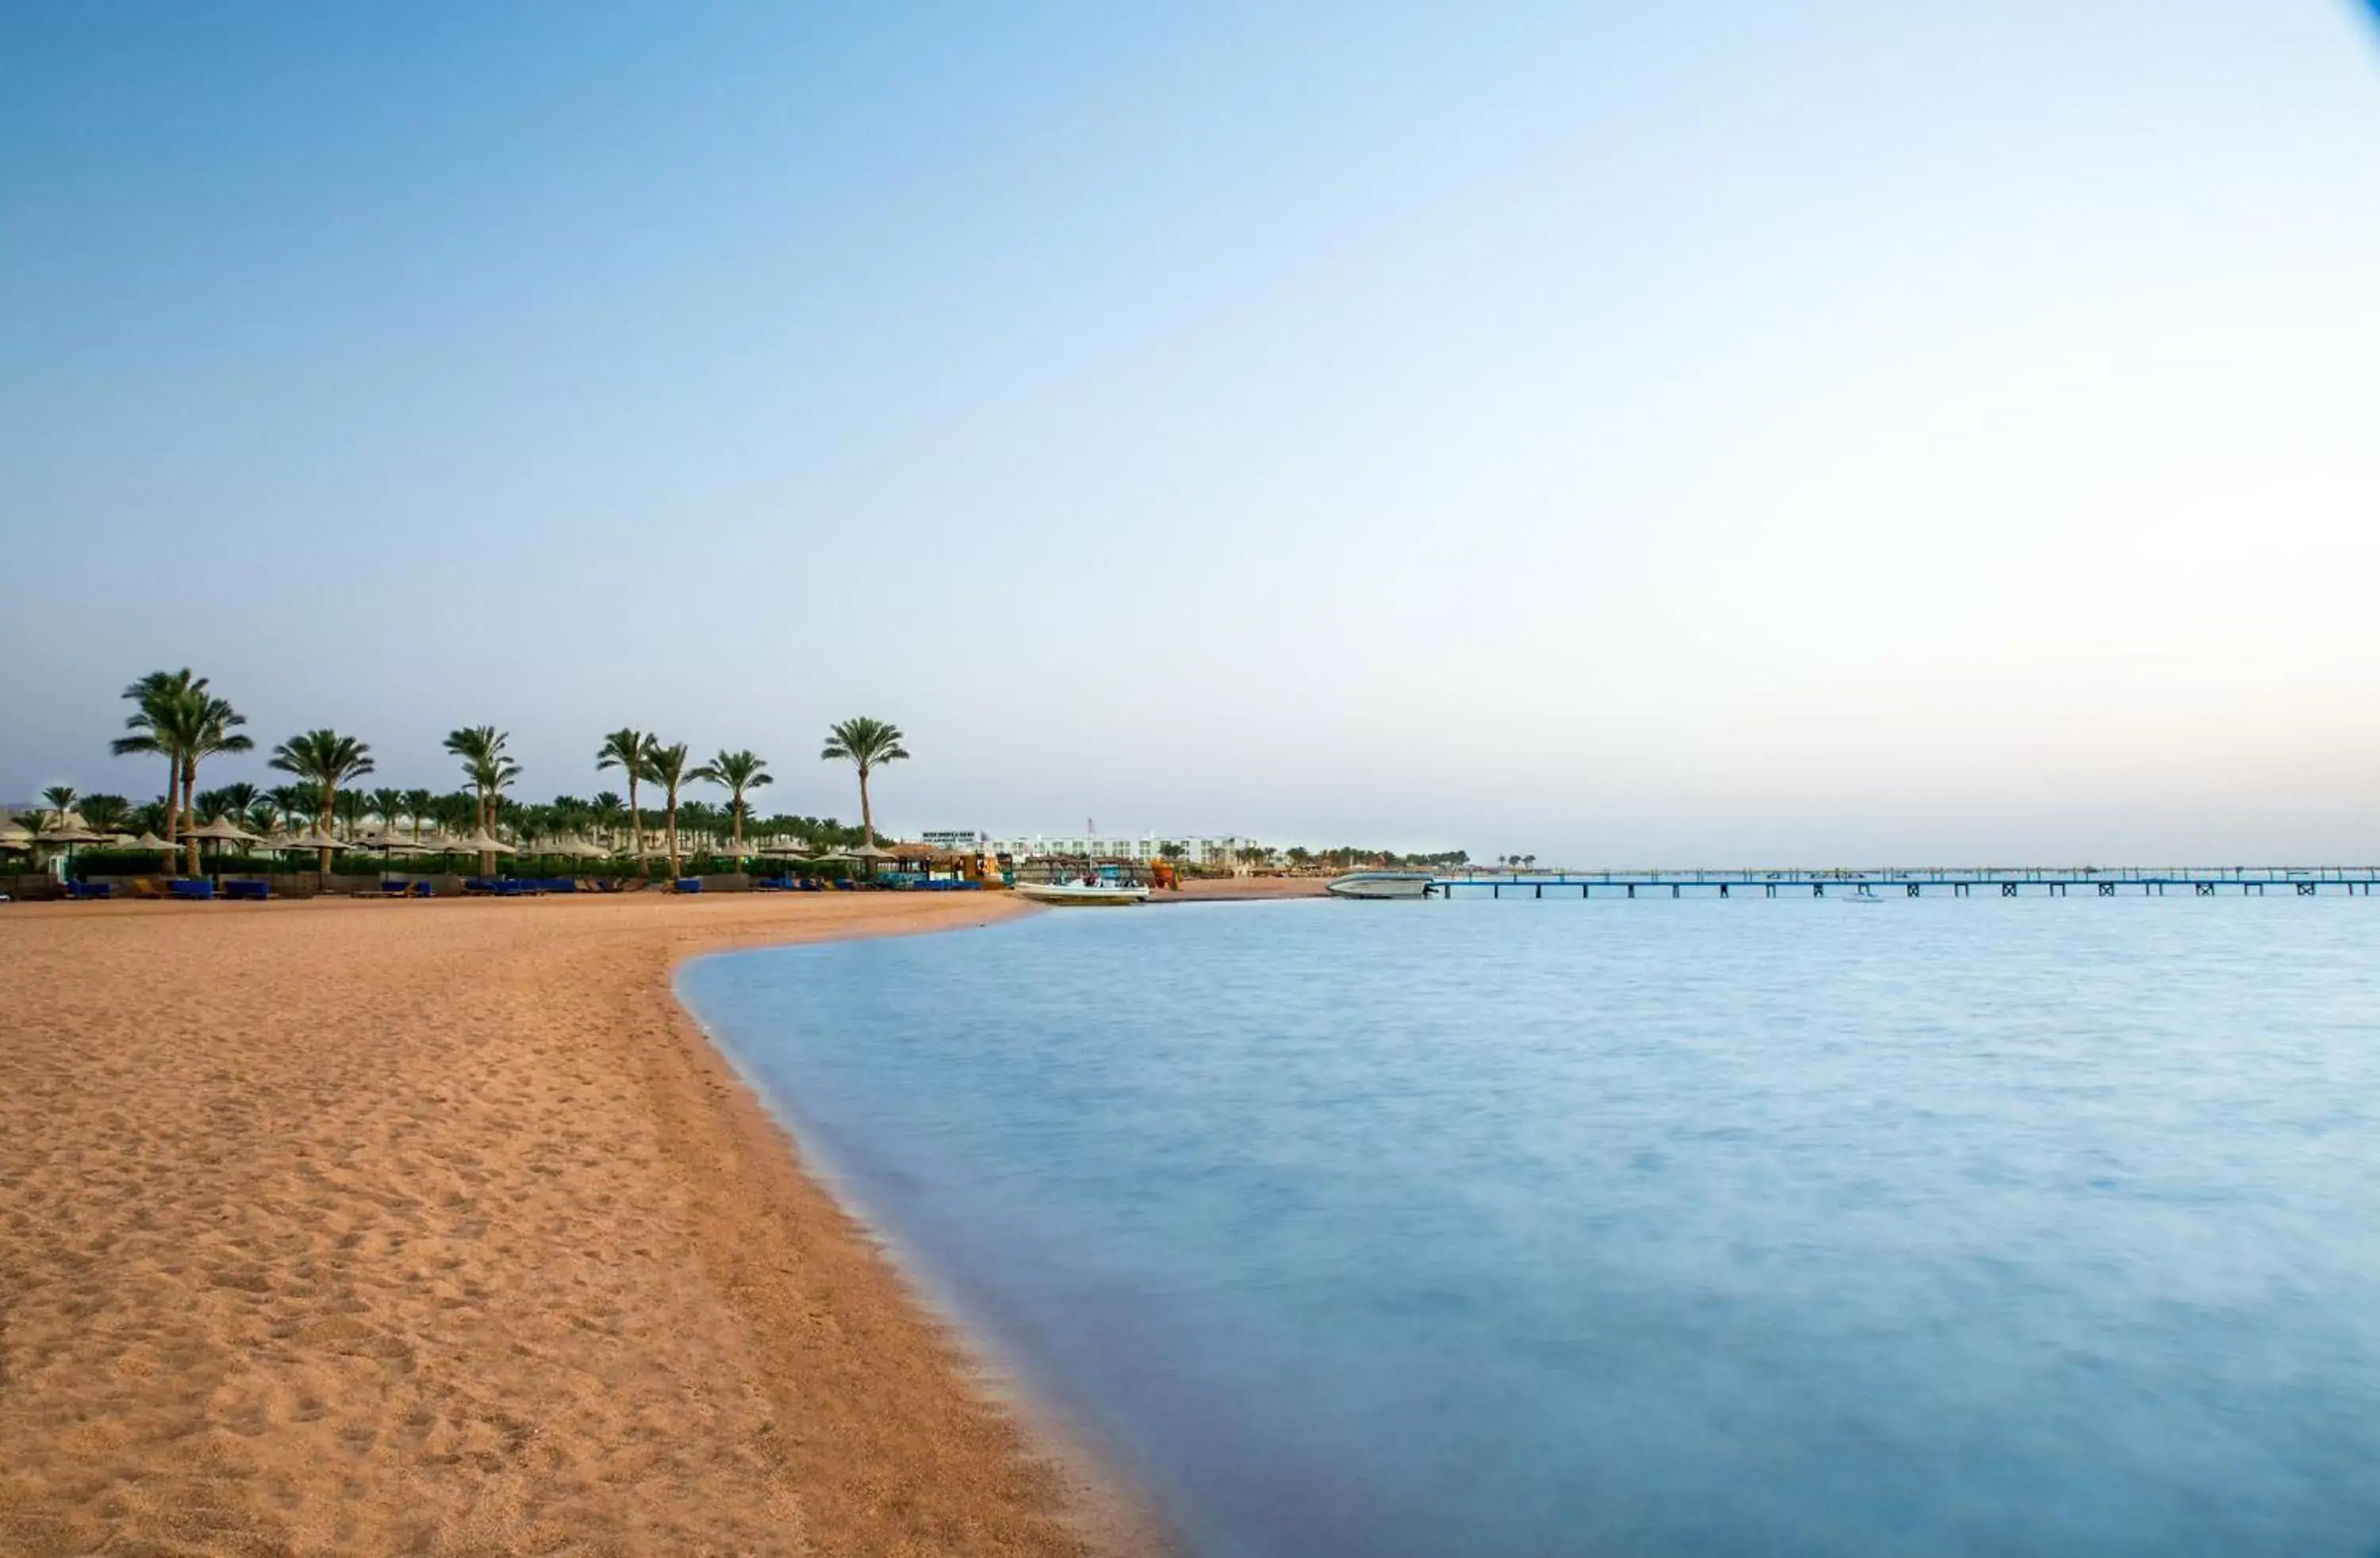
867,818
173,781
672,836
735,831
191,813
635,825
329,815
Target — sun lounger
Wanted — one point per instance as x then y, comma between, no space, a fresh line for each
252,891
192,887
687,885
79,890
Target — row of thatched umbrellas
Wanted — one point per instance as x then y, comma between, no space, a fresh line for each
222,830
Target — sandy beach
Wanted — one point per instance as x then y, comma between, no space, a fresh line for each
438,1228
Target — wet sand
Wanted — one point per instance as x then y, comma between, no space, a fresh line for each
438,1228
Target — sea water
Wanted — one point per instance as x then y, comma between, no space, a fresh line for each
1947,1226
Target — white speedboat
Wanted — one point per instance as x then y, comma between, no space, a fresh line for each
1081,893
1382,884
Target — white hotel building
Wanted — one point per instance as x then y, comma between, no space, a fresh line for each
1224,849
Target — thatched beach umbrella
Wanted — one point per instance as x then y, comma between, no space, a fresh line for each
164,851
21,832
487,847
222,830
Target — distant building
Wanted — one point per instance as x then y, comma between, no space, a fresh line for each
1215,849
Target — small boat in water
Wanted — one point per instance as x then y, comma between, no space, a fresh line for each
1382,884
1082,893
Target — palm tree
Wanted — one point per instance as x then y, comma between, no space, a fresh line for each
866,745
158,724
666,767
291,802
327,759
736,773
105,814
231,800
36,823
481,748
417,805
631,752
211,733
62,798
387,805
605,813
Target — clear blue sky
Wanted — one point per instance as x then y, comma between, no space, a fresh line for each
1704,432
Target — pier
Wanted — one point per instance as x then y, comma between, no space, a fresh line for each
2014,882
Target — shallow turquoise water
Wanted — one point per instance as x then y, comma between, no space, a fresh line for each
1938,1227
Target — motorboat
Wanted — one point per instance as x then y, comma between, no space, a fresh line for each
1382,884
1083,894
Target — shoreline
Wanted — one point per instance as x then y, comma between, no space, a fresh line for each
373,1234
1107,1504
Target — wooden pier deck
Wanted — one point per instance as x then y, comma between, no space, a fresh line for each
2204,881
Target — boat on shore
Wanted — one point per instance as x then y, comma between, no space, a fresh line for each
1382,884
1083,894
